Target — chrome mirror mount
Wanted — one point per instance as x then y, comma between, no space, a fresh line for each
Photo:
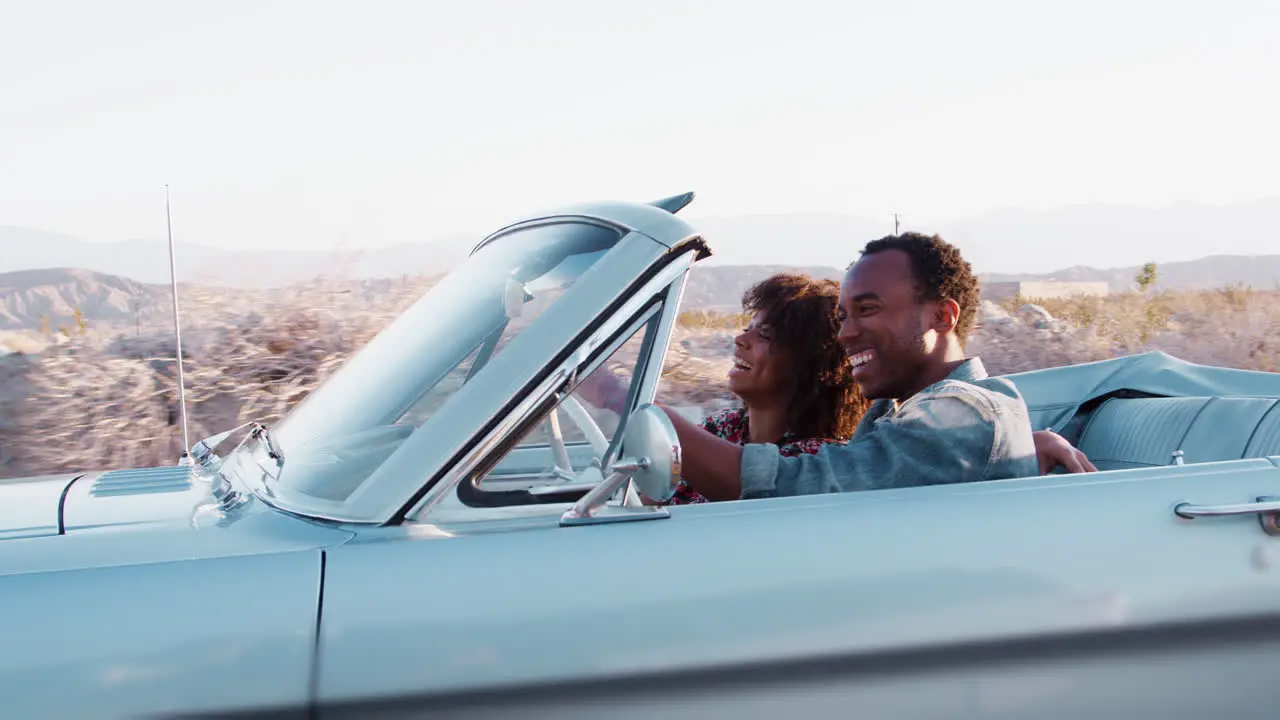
650,458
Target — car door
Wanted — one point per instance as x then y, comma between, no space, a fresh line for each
427,610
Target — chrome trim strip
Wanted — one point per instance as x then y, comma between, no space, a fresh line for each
618,341
655,357
658,353
142,481
663,227
398,482
558,219
482,449
434,449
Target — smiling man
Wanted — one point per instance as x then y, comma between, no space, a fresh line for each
906,308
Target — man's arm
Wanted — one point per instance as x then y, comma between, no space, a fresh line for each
933,441
930,441
1053,450
940,439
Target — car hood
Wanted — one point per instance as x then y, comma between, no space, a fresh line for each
130,499
147,515
31,506
64,504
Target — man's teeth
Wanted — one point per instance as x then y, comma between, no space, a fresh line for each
861,358
741,365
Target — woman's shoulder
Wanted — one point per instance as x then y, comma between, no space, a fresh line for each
806,446
727,423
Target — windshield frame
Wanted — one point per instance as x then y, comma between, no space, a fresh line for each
664,288
538,355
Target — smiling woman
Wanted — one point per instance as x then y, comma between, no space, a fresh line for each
790,372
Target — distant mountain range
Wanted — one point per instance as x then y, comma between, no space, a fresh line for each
52,274
1001,243
1013,241
147,261
56,293
30,297
721,286
1261,272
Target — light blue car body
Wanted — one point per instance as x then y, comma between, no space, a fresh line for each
139,592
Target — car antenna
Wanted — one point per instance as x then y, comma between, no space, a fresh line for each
185,458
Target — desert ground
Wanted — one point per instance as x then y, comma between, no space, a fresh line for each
91,397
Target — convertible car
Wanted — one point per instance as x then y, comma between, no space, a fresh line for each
447,526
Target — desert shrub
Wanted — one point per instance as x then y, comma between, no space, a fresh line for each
100,400
712,320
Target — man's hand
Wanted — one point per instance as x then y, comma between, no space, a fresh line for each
1053,450
604,390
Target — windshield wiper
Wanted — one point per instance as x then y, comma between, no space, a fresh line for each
205,455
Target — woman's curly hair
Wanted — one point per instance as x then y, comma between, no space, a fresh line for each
801,313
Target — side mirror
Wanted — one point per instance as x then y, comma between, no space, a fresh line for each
650,453
650,458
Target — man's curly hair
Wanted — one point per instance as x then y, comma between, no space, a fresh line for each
801,314
940,272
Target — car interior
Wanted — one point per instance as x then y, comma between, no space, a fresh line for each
1118,431
1134,430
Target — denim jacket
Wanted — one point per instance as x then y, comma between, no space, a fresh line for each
964,428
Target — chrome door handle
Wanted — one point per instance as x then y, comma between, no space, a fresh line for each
1266,507
1263,505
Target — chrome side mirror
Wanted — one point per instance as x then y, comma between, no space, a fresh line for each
650,457
651,453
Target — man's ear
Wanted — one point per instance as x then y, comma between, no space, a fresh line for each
946,315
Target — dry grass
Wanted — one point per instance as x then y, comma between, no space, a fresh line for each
108,398
1231,326
709,320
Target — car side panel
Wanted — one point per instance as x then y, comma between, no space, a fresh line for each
183,636
1217,670
756,581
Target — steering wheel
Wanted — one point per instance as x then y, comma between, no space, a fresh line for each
470,494
563,467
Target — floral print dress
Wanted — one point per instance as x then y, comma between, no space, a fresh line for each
732,425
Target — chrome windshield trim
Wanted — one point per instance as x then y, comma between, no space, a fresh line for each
654,358
655,238
557,219
657,305
663,227
437,489
658,353
624,318
431,449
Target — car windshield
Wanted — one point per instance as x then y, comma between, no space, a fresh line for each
348,426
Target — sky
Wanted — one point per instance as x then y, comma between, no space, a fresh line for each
317,125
